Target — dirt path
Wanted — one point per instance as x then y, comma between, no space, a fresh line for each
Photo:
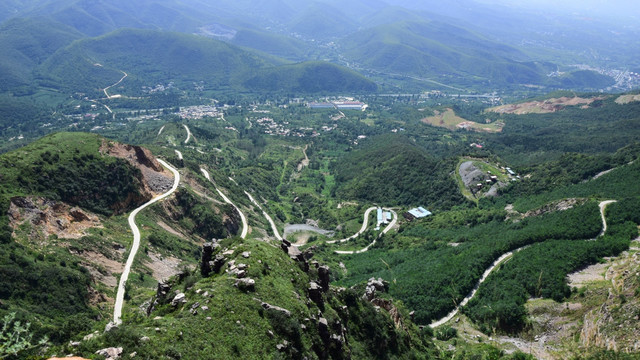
116,84
162,128
117,310
304,163
500,260
245,227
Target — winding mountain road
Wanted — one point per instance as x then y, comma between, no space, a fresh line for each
188,133
269,219
499,261
386,230
117,310
245,226
365,223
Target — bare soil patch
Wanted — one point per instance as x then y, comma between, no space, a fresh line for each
544,107
163,267
48,217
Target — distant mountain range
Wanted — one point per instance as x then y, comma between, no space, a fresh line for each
463,43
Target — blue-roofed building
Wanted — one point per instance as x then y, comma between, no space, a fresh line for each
380,216
417,213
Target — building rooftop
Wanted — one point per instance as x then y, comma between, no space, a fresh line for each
419,212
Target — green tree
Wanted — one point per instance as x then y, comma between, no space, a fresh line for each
15,337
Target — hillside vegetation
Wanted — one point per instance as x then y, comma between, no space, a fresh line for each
371,174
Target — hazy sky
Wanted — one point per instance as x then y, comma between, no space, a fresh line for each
619,8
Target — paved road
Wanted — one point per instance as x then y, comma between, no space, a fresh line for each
269,219
179,154
386,230
245,227
117,310
500,260
188,133
365,223
160,131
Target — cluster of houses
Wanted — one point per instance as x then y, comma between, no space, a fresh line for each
274,128
198,112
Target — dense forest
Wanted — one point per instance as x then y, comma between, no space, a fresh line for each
371,173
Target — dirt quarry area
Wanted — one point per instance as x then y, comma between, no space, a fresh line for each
544,107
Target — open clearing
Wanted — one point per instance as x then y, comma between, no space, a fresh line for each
449,120
543,107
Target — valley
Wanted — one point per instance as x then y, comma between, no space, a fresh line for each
317,180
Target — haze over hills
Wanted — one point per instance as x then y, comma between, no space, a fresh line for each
282,179
481,46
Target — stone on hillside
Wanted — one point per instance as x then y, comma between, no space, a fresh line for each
284,346
110,326
246,254
268,306
245,284
110,353
181,298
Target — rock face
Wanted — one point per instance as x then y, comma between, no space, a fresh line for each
391,309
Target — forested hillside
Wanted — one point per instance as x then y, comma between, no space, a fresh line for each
371,174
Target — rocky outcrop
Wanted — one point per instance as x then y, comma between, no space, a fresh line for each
315,294
323,277
206,265
111,353
374,285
